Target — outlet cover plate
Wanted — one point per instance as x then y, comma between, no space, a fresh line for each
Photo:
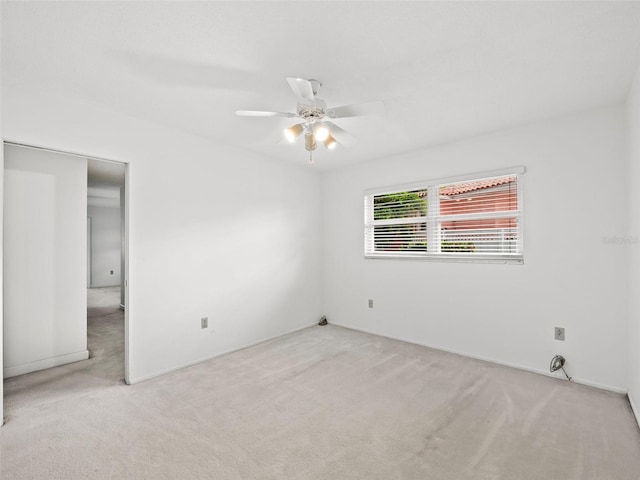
204,322
559,333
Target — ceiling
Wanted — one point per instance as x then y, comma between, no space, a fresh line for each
445,70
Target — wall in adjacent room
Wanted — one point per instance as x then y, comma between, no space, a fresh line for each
214,231
105,245
633,232
45,301
574,270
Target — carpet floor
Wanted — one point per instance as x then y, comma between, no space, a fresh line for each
322,403
104,368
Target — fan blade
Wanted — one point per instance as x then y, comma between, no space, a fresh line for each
303,90
356,110
340,134
255,113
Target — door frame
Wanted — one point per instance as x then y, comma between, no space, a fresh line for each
125,235
88,252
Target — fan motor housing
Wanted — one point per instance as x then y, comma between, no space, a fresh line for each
313,112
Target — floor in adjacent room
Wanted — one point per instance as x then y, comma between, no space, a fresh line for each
322,403
103,369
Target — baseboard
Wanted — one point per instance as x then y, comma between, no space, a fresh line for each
490,360
16,370
635,411
133,381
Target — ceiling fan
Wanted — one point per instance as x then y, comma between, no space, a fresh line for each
316,124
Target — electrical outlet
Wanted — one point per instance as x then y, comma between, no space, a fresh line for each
370,303
559,333
111,272
204,322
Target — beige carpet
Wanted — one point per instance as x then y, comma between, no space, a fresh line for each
105,367
323,403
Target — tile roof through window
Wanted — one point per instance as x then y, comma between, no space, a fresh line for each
464,187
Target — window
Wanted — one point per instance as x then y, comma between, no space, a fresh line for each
468,218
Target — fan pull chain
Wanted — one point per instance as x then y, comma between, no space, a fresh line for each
310,156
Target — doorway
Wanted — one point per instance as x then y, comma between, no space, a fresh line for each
105,253
46,263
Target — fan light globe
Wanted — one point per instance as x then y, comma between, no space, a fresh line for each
330,143
321,133
292,132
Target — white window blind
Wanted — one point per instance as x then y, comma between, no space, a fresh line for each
472,219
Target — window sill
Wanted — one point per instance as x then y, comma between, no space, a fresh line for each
510,259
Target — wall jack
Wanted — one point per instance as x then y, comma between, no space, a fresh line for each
557,363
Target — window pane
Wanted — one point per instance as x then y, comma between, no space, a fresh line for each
497,236
408,237
400,205
498,194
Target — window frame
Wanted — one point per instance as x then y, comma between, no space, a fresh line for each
432,187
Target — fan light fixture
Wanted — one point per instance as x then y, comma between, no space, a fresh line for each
293,132
316,117
330,142
321,133
313,134
309,142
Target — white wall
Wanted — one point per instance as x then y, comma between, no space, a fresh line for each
574,195
214,231
105,245
45,310
633,112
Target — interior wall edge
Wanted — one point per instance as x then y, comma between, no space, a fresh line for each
1,279
635,411
588,383
633,226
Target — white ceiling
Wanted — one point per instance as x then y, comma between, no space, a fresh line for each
444,70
